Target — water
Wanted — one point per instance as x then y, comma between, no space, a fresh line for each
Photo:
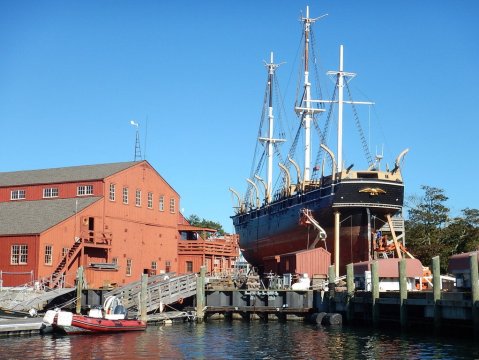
241,340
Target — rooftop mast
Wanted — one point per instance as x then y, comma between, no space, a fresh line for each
305,109
341,74
271,66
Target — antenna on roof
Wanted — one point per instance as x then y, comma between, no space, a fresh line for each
137,141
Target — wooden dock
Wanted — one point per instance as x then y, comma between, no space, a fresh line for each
20,326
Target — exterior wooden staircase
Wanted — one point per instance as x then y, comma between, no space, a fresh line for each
57,277
86,239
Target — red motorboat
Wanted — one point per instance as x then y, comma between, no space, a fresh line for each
107,320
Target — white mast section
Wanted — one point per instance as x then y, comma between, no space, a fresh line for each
341,74
271,66
305,109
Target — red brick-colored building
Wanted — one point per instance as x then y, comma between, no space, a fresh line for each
116,220
200,246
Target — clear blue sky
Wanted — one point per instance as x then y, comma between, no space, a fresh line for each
73,74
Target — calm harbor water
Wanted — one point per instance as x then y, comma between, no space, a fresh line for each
241,340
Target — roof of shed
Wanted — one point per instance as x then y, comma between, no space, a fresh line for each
34,217
65,174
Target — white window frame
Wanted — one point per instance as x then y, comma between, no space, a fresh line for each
84,190
161,203
150,200
17,194
125,195
154,265
112,192
65,251
19,254
50,193
48,254
128,267
138,197
172,205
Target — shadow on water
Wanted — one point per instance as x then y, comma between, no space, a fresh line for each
241,340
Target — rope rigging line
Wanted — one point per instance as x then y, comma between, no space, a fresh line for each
256,150
360,129
320,154
319,90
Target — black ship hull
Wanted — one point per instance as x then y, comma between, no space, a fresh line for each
363,205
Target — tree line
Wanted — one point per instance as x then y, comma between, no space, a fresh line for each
431,230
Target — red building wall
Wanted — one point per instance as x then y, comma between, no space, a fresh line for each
138,232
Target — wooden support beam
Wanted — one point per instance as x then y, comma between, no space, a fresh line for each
375,292
143,297
200,294
402,292
436,284
350,290
474,291
79,289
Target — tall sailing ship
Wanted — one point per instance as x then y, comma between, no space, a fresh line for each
328,205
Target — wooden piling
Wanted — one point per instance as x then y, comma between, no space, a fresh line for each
350,290
79,289
143,297
436,285
474,291
375,292
331,287
200,294
402,292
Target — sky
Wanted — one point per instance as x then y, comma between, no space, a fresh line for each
74,74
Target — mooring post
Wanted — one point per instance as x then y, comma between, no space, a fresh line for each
200,294
350,291
331,287
143,297
436,287
375,292
474,291
79,289
402,292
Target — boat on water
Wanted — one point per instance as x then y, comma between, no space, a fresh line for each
325,203
112,318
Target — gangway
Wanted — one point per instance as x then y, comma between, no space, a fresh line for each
26,299
163,289
306,218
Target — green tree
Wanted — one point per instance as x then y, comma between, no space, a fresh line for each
195,221
428,216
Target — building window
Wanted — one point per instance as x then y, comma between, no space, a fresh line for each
128,267
138,197
125,195
17,195
65,252
162,203
83,190
112,192
48,254
172,206
167,266
189,266
115,260
50,192
154,266
150,200
19,255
